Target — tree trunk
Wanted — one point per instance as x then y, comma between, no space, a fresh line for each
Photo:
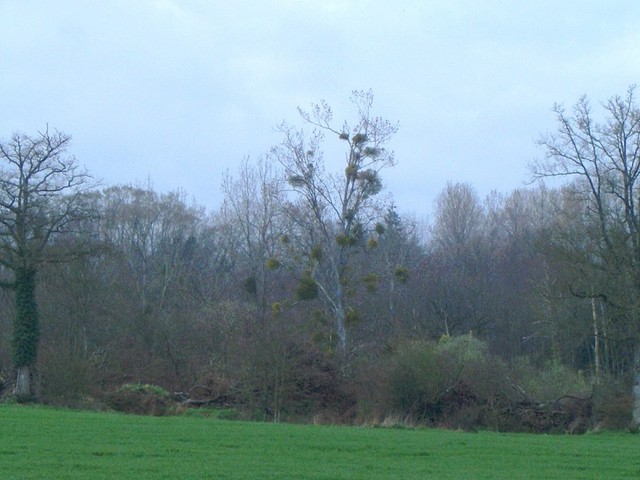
341,329
25,329
23,383
596,340
636,387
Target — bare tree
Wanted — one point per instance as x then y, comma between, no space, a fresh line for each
154,243
393,254
335,208
604,159
251,217
40,190
458,259
459,219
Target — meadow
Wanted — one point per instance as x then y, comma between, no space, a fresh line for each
41,442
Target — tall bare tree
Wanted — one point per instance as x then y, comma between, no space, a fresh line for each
459,254
334,208
604,160
40,192
251,217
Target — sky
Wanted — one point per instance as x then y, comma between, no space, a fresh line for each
177,92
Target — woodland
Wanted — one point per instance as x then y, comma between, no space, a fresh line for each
307,297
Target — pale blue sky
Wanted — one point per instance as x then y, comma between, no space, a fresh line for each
177,91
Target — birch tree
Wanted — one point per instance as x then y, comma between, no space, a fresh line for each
334,208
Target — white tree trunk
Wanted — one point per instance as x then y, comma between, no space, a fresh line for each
596,339
636,388
341,328
23,382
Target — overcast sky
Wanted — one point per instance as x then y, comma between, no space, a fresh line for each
178,91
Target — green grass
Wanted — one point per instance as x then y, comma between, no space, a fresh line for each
46,443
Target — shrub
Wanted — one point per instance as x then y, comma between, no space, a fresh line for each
290,380
415,379
215,386
140,399
612,404
319,389
454,383
549,383
66,379
211,412
5,376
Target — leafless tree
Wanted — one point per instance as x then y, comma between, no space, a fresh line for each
40,193
604,160
252,219
334,208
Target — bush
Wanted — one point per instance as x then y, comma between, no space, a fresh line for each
456,383
445,382
5,381
319,389
216,387
291,381
66,379
211,412
415,380
549,383
140,399
612,404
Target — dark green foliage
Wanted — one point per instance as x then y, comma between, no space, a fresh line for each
273,264
372,151
345,240
352,238
457,383
371,282
370,182
349,215
352,317
276,308
550,382
402,274
415,380
67,378
321,331
359,138
316,253
250,285
26,328
307,288
357,232
351,171
447,384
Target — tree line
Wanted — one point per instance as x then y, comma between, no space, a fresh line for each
306,294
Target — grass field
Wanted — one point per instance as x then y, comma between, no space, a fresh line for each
46,443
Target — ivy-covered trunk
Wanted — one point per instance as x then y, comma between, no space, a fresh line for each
25,329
